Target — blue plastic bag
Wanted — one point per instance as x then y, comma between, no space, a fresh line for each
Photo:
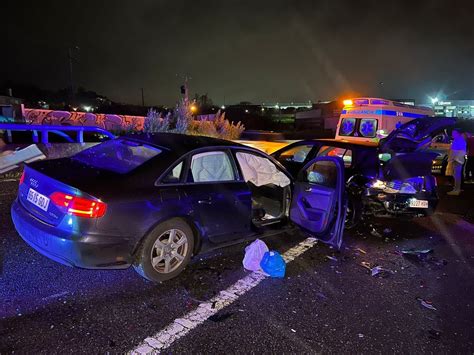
273,264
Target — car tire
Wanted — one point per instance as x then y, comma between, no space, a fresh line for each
165,251
354,213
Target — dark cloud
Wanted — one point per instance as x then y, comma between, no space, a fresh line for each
256,51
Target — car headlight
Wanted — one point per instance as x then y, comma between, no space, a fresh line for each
377,184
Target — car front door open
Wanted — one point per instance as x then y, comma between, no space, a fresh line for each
319,203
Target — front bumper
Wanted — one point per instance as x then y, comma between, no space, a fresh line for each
379,203
89,251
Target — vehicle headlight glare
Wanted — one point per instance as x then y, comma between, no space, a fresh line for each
378,184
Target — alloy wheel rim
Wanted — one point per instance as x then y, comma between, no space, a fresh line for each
169,251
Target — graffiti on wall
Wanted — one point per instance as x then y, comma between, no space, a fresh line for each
109,122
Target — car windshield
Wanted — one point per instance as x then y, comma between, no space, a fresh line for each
117,155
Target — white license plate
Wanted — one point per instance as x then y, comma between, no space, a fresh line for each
418,203
38,199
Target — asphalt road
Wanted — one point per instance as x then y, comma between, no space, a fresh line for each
323,304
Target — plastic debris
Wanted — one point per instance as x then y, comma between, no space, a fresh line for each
254,254
273,264
376,270
360,335
424,256
427,304
362,251
331,257
375,233
417,252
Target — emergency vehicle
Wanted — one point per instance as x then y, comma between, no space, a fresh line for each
370,119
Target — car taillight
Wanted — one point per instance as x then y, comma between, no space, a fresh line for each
79,206
22,178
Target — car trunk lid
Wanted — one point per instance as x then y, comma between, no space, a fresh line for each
42,179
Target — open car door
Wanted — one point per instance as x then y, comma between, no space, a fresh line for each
319,201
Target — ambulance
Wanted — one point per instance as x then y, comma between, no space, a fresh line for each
370,119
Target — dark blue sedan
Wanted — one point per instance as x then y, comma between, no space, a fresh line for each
155,200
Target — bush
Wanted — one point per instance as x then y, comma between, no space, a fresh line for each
182,122
154,122
219,128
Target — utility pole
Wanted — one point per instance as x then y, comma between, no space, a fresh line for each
71,76
143,98
184,87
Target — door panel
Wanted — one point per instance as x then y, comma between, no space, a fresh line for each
313,208
223,209
319,202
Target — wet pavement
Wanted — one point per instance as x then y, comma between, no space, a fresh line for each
328,301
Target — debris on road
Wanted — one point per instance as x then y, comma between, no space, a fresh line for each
56,295
333,258
375,232
423,256
376,270
419,253
273,264
254,254
217,318
434,334
426,304
362,251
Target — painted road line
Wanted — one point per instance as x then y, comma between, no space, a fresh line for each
182,326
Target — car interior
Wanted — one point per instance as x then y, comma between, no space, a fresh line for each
269,186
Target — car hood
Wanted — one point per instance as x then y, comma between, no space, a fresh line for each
406,165
415,135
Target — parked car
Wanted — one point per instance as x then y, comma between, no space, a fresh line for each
391,178
155,200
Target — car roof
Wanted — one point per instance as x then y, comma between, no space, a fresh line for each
342,142
180,142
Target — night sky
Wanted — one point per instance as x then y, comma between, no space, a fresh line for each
258,51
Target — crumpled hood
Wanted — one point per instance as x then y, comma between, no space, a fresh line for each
405,166
415,135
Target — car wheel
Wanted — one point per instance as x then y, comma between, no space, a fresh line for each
166,251
353,214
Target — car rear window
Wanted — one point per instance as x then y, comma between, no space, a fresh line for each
355,127
347,127
117,155
368,127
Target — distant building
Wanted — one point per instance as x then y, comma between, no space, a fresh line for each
11,109
454,108
324,115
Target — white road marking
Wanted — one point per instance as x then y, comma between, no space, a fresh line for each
181,326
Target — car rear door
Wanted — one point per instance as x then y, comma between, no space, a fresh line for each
222,202
319,202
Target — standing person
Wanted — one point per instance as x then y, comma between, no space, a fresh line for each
469,173
456,157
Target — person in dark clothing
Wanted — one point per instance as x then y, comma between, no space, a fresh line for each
469,170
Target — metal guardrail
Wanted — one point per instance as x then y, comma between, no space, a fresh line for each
46,129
